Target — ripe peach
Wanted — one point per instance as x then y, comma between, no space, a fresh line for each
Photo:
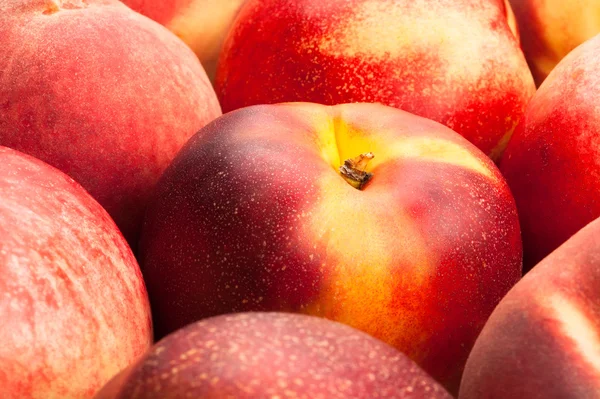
102,93
454,61
254,214
552,163
201,24
543,340
73,304
272,355
551,29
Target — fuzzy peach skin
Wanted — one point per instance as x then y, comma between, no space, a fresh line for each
543,340
453,61
272,355
100,92
201,24
73,304
552,164
253,214
550,29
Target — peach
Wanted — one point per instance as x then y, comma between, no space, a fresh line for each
201,24
457,62
414,241
552,163
543,340
73,304
551,29
272,355
102,93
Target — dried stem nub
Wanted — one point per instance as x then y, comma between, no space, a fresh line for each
353,170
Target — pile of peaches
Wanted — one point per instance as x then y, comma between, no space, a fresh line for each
299,199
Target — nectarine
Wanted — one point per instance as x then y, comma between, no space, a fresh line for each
552,163
201,24
551,29
454,61
543,339
272,355
255,214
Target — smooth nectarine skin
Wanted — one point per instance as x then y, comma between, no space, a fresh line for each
254,215
73,305
543,340
552,164
550,29
100,92
272,355
201,24
454,61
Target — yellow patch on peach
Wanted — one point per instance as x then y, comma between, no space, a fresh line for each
340,141
559,42
203,26
358,232
498,150
511,19
380,31
581,331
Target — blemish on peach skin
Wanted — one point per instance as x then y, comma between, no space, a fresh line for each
51,8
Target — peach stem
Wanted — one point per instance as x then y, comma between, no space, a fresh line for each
353,170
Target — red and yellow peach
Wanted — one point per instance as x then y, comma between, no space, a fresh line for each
454,61
254,214
552,163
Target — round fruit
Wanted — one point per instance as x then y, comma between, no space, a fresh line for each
101,93
272,355
552,163
415,240
73,304
457,62
543,339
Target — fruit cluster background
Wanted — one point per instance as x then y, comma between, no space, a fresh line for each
299,199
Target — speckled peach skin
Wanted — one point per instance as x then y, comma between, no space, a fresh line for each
454,61
543,339
102,93
552,164
272,355
201,24
73,306
254,215
550,29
